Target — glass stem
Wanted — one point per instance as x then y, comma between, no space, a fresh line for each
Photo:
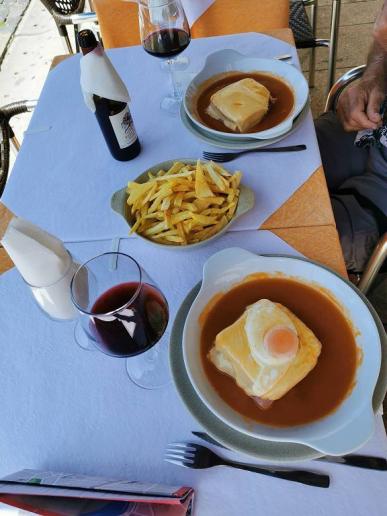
175,86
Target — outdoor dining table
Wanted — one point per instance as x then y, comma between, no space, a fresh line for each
66,409
305,220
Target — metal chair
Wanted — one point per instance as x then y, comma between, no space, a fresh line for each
379,254
6,113
374,264
304,30
340,85
69,12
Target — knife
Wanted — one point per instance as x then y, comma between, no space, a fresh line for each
359,461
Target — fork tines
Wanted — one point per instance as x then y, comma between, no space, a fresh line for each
219,157
182,454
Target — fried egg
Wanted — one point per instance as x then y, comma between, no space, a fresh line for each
267,350
271,335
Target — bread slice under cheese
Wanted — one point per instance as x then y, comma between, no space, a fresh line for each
240,105
231,354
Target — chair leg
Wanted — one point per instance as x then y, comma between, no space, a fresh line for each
335,20
374,264
312,57
15,143
76,30
65,38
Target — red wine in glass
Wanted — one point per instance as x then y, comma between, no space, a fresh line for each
165,32
166,42
133,329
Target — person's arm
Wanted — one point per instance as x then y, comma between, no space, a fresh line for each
358,106
380,28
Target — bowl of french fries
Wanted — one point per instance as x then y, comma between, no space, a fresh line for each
183,203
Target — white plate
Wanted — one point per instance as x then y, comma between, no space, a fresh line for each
246,144
274,451
118,203
341,432
229,61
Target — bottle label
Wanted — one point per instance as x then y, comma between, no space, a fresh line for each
123,128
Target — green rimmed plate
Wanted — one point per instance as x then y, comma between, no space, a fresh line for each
242,144
119,205
257,448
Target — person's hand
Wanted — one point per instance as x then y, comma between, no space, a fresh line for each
380,28
358,106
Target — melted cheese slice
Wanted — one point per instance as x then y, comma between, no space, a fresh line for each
232,355
240,105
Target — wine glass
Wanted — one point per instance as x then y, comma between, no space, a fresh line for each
123,314
165,33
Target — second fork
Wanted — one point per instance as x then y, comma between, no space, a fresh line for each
192,455
223,157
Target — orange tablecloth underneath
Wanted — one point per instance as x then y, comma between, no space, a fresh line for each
119,20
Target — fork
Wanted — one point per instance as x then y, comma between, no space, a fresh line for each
192,455
223,157
355,460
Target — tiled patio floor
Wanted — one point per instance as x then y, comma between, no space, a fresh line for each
356,22
27,61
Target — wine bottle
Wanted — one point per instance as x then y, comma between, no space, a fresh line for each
113,116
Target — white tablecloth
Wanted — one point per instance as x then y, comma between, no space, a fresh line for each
66,409
64,175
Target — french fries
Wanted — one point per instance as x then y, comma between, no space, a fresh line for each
185,204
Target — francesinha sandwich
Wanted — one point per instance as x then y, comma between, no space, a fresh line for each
240,105
267,351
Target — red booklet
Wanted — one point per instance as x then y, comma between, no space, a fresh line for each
60,494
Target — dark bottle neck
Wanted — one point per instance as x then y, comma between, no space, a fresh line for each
87,41
86,50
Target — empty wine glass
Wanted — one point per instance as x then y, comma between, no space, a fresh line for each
165,33
123,314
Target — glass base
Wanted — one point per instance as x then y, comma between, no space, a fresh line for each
150,370
178,64
81,338
171,105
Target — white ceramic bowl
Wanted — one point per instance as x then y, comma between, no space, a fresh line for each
230,60
352,423
118,203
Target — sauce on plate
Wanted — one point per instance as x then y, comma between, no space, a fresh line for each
324,388
278,110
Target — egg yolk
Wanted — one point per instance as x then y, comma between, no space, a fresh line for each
280,341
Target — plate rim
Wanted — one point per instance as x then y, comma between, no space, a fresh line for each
242,57
300,452
246,197
242,144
